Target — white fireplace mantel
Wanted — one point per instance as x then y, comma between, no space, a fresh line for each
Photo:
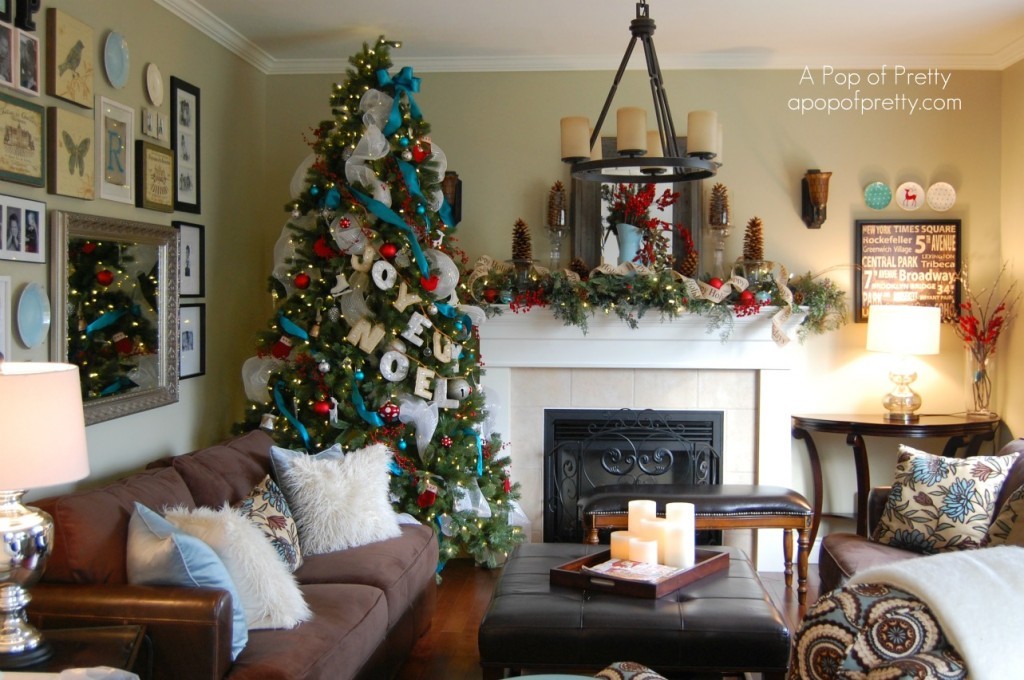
536,339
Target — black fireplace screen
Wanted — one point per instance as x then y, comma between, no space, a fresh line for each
585,450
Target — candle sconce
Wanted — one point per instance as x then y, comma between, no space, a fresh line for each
814,197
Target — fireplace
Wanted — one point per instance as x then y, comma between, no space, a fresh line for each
586,450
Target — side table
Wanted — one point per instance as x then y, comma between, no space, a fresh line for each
115,646
965,437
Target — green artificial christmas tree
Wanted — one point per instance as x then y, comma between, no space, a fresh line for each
372,341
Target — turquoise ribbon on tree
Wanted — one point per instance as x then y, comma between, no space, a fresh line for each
447,310
333,199
357,401
403,82
120,384
412,180
279,400
105,319
479,450
391,217
292,328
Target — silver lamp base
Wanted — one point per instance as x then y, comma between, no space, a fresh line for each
27,535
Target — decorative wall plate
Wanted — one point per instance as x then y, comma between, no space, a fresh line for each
154,84
941,196
115,59
877,195
910,196
33,315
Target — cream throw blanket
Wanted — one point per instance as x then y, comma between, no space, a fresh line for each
977,597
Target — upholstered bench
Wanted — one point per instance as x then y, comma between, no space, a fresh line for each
723,506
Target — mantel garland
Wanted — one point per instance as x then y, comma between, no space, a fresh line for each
630,291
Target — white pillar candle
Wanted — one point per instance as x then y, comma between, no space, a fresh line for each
631,129
596,152
653,529
718,145
620,544
639,510
680,516
701,131
679,547
575,137
643,551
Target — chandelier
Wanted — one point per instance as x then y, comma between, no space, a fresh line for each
656,155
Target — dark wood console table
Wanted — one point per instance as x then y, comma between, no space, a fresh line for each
965,437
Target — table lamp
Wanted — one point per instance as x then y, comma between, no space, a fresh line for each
903,331
42,443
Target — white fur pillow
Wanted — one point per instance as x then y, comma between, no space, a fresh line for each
338,503
268,591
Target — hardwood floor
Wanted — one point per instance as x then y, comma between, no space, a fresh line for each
449,649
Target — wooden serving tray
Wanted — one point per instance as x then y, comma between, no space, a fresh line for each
571,575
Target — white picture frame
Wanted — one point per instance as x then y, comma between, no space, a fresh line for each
115,150
5,316
22,229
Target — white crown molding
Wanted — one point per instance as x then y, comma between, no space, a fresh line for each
218,31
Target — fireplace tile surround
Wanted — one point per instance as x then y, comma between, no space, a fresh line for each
534,362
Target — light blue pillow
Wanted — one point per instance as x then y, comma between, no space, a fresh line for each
160,554
281,459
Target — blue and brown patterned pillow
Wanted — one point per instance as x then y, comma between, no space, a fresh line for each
939,503
1008,527
266,507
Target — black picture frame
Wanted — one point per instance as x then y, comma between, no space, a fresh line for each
192,340
192,259
185,141
917,262
6,10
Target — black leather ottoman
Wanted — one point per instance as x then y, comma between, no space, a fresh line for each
722,624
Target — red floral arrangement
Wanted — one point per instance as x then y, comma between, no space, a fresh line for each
631,204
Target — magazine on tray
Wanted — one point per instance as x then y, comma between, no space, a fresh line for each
628,570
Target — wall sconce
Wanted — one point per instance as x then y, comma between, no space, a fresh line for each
814,190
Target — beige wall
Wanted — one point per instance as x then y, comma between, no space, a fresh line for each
1012,235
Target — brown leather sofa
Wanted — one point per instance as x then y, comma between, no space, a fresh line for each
370,604
844,554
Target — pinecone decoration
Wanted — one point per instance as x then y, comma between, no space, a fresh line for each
753,241
557,208
718,214
522,248
580,267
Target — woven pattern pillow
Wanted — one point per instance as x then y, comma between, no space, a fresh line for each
1008,528
938,503
266,507
338,503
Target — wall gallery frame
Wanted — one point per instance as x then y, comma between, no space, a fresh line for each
70,58
8,54
28,63
192,270
115,155
71,166
154,177
23,229
192,338
185,142
23,153
5,316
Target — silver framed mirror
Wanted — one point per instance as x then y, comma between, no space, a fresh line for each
115,311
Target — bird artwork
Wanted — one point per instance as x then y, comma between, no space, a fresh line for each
76,152
72,60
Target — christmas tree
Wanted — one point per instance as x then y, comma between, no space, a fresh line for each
371,341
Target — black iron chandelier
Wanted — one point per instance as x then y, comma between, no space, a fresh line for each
701,160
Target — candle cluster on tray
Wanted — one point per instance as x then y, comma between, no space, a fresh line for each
669,540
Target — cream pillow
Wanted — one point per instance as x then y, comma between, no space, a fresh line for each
270,595
338,503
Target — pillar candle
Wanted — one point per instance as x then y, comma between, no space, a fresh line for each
643,551
653,529
654,144
620,544
596,152
718,145
701,131
575,137
639,510
682,536
631,132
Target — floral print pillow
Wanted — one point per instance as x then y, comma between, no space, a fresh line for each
266,507
938,503
1008,528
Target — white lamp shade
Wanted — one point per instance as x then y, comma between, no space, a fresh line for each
904,329
42,424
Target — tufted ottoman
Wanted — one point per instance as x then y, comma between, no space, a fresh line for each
723,623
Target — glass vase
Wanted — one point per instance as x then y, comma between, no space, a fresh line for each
980,385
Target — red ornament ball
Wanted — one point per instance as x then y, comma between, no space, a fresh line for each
490,294
715,282
302,280
446,442
746,297
88,247
421,152
426,499
105,277
388,251
389,412
322,408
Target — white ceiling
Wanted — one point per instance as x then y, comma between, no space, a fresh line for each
317,36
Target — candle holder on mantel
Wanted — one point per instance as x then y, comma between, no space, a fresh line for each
720,227
557,219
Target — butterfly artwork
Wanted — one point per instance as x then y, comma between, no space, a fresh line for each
71,165
76,152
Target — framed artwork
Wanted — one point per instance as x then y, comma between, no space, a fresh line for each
6,10
192,273
185,142
911,262
154,177
192,337
5,316
70,59
115,143
8,54
23,229
28,63
71,166
23,152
